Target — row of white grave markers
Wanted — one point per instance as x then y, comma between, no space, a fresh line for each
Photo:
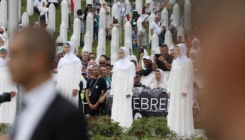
29,7
3,13
25,20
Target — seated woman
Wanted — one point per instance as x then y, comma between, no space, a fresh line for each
159,81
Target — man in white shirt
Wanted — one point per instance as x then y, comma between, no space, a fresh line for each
156,28
45,114
37,4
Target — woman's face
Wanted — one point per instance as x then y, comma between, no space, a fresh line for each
158,76
3,54
83,68
67,49
178,52
121,54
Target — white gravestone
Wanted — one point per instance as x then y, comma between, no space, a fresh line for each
63,32
168,38
90,25
102,21
87,42
75,38
25,20
64,12
139,6
176,15
59,48
128,44
114,55
13,17
128,31
151,19
115,37
89,2
155,44
99,52
52,17
181,32
114,11
128,6
19,8
102,41
172,2
3,13
30,7
187,15
164,16
77,5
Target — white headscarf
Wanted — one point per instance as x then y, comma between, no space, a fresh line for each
162,83
70,57
198,47
183,58
4,62
124,63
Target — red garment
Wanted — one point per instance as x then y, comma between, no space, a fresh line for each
143,10
72,5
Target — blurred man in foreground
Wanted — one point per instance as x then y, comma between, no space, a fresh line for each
45,114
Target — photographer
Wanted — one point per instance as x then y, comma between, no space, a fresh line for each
164,60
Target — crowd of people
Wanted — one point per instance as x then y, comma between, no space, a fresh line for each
81,79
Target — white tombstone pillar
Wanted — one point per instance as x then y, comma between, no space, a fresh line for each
99,52
77,5
176,15
64,12
114,51
164,16
168,38
3,14
139,6
87,42
187,15
151,19
75,38
102,41
139,23
181,32
89,2
102,21
115,37
13,17
128,6
59,48
29,7
128,31
155,43
172,2
63,32
90,25
49,30
52,17
19,8
25,20
128,44
114,11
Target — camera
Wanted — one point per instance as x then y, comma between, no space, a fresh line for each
5,97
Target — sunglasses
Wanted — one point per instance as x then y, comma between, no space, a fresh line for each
102,63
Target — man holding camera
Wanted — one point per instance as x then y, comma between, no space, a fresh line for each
164,60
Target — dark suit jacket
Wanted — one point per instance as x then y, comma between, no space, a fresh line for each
62,121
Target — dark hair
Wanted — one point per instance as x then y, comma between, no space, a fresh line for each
164,46
180,36
108,58
90,53
108,65
79,12
103,56
38,40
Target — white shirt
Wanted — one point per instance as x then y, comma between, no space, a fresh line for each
38,3
156,28
37,102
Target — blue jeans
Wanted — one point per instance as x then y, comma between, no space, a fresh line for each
96,32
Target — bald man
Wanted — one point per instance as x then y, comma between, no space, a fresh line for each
45,114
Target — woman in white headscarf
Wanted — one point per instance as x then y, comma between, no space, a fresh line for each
69,74
121,89
8,110
43,19
180,90
160,81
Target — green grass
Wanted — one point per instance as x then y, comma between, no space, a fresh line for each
34,18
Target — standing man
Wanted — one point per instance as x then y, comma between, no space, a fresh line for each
137,79
45,114
142,38
102,61
85,58
122,8
164,62
96,87
156,28
91,56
